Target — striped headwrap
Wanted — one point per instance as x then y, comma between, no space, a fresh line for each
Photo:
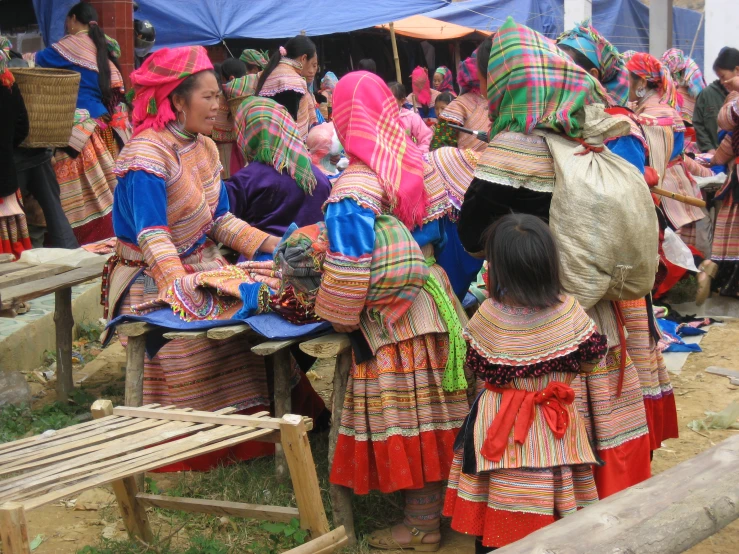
421,86
114,49
6,77
684,71
254,57
650,68
613,73
329,81
531,84
628,55
367,123
155,80
447,79
267,134
467,78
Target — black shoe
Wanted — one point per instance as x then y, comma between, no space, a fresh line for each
480,549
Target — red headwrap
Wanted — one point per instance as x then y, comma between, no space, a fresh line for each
367,123
155,80
421,86
650,68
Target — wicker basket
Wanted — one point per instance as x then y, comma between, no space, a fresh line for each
50,96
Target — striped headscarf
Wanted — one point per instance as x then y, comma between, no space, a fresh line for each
628,55
329,81
650,68
6,77
421,86
684,71
155,80
613,73
467,78
532,84
254,57
447,80
267,134
367,124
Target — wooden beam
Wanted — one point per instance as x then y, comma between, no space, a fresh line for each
6,258
135,360
133,329
269,347
221,333
172,335
33,273
326,346
63,324
201,417
303,474
669,513
325,544
219,507
394,43
282,371
14,529
12,296
12,268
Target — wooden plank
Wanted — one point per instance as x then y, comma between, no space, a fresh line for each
671,512
14,529
303,474
221,333
33,273
271,346
341,497
202,417
135,360
6,269
133,329
12,296
330,542
187,335
6,258
219,507
282,370
326,346
63,324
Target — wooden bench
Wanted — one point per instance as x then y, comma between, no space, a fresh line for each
20,282
122,442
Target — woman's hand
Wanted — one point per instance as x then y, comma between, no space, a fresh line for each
344,328
270,245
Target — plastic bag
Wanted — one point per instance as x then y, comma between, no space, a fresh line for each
725,419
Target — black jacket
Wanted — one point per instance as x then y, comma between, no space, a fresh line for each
705,116
13,131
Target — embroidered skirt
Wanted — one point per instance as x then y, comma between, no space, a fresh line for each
86,185
398,425
14,237
659,400
726,248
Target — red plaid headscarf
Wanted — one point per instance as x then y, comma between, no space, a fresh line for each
155,80
367,123
467,77
421,86
650,68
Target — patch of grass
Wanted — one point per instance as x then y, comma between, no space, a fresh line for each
89,330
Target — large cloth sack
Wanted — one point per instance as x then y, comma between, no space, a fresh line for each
602,216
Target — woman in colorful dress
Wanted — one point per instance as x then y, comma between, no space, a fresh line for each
444,80
224,129
284,80
14,237
406,396
423,98
255,60
516,174
591,51
469,110
85,169
522,459
726,242
170,212
328,84
655,102
280,185
690,83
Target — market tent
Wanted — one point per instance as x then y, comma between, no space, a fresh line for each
182,22
426,28
624,22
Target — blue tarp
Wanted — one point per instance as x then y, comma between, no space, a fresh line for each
182,22
624,22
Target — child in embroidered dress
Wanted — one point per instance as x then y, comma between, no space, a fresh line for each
442,101
522,458
410,121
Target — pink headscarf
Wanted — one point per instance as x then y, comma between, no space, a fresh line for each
366,121
421,85
155,80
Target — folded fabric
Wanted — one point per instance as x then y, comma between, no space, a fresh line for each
672,332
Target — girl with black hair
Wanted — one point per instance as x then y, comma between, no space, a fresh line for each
710,100
85,168
286,78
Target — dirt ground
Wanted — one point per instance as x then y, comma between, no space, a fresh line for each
65,530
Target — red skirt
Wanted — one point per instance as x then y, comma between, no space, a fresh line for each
398,425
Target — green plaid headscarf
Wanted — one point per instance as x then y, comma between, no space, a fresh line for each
531,84
267,134
255,57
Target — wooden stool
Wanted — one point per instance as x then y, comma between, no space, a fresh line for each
123,442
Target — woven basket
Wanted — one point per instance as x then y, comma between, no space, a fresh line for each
235,103
50,96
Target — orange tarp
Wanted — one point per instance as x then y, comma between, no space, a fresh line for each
420,26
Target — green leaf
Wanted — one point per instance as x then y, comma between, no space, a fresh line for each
36,542
273,528
300,536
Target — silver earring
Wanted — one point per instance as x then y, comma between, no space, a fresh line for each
184,123
641,92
